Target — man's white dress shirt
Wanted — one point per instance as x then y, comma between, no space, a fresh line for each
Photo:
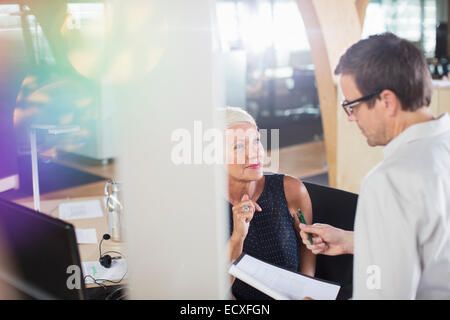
402,224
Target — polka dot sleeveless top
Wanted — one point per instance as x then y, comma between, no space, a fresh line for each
271,235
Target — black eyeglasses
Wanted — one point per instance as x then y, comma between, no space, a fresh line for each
349,105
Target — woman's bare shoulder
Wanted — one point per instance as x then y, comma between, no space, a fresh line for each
294,189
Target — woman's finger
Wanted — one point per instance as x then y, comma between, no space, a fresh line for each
247,204
241,208
247,216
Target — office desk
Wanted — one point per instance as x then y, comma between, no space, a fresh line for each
88,252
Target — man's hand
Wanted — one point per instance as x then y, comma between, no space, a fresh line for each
327,239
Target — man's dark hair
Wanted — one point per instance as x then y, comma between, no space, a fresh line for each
386,61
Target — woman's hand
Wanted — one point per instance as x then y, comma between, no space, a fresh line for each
242,215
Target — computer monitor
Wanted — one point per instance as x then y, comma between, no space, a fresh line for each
39,256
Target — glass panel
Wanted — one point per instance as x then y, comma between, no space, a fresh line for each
55,51
280,90
11,30
41,49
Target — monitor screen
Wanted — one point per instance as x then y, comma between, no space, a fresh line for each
38,256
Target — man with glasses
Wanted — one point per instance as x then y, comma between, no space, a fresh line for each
401,243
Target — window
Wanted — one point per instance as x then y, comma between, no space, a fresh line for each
414,20
11,30
280,82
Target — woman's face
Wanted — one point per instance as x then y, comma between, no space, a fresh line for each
244,152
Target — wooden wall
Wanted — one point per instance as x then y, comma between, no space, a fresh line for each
332,26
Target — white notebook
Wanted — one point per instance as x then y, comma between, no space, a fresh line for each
279,283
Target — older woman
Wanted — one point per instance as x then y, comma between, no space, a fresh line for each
263,206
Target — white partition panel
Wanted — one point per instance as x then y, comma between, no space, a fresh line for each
163,69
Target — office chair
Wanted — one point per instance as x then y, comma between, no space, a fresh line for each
337,208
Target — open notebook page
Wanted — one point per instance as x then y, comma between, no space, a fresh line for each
279,283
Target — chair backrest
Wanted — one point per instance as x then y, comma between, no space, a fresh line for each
337,208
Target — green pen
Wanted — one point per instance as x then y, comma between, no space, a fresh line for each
302,220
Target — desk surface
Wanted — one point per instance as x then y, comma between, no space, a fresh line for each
88,252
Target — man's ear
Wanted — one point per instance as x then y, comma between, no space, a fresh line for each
391,102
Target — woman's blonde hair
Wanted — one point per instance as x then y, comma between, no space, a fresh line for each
235,116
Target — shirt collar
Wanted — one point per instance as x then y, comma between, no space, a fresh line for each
418,131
